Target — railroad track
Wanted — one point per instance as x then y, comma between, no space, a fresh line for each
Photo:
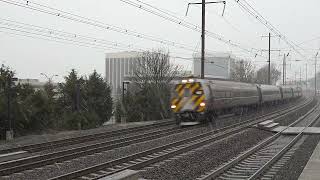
80,139
84,150
143,159
59,156
275,150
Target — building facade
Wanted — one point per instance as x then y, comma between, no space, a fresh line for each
118,66
216,65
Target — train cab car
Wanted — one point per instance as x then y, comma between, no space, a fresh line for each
286,92
297,92
188,101
196,100
270,93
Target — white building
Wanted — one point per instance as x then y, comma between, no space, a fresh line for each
119,65
216,65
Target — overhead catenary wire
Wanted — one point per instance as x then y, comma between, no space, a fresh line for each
253,12
77,18
17,32
37,32
73,36
81,19
165,14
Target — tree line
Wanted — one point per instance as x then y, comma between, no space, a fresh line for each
81,102
244,71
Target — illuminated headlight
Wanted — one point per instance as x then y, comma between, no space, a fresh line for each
191,80
184,81
202,104
173,106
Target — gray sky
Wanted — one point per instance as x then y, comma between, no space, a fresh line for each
298,20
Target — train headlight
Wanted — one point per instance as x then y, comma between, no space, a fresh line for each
173,106
184,81
191,80
202,104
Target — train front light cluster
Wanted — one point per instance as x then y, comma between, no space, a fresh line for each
189,80
173,106
202,104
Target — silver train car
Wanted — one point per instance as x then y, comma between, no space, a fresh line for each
196,100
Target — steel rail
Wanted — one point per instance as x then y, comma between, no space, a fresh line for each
35,161
219,171
79,139
18,165
142,159
282,151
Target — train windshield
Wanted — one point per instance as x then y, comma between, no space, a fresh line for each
187,92
187,89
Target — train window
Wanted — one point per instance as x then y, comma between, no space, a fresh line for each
187,92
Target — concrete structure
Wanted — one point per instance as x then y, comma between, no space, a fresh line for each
119,65
311,170
217,65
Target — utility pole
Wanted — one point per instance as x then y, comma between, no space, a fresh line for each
77,96
9,106
283,70
300,76
269,61
315,74
203,29
203,26
10,130
306,76
269,58
77,101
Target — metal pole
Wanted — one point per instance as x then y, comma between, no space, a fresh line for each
9,103
78,96
300,76
123,91
306,76
269,74
285,72
203,37
315,74
78,102
283,76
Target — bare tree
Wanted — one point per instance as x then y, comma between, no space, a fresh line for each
151,97
153,69
243,71
262,74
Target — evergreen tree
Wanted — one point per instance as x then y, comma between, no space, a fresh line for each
98,97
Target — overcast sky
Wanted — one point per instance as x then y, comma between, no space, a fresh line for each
297,20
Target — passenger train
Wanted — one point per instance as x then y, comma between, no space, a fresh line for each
195,100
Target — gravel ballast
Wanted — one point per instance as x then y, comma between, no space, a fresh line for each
198,162
32,139
83,162
300,158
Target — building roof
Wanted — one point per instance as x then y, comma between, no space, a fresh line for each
217,55
123,54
